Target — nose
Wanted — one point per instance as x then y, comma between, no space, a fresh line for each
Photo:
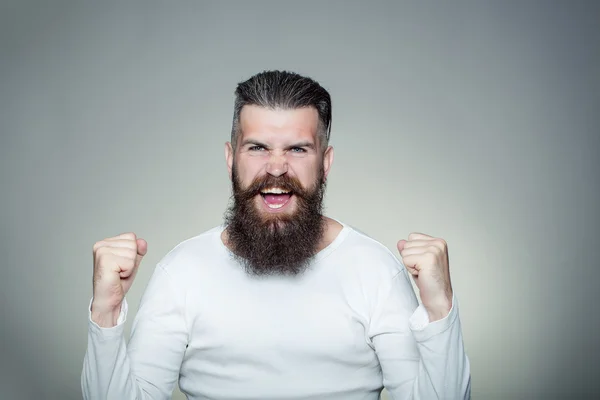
277,165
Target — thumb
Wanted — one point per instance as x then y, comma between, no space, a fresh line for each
142,249
401,244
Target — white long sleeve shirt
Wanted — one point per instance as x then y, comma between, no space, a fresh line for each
344,329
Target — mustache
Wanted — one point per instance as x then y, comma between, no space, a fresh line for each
260,183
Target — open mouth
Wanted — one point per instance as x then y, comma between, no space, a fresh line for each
275,197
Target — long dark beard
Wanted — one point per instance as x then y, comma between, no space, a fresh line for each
275,244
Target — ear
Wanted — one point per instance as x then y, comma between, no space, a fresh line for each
229,157
327,161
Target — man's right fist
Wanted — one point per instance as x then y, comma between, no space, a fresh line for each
116,261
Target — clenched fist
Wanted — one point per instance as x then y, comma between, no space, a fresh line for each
426,258
116,261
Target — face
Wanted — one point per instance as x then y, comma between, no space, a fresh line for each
278,173
278,143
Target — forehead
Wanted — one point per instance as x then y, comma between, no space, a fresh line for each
278,124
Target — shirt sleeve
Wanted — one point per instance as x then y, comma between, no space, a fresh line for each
148,366
419,360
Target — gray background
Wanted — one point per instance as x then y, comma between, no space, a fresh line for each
473,121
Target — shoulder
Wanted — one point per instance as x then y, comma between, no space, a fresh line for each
193,251
367,253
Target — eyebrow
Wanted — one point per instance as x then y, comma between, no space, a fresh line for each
253,142
306,144
309,145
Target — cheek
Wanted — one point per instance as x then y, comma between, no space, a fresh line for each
306,171
249,168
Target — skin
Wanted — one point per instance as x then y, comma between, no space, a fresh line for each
426,258
272,142
278,142
116,261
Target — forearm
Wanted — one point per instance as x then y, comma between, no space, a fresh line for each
116,370
444,369
106,370
426,361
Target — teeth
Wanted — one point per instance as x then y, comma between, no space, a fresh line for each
274,205
275,191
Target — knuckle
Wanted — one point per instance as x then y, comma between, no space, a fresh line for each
103,251
432,249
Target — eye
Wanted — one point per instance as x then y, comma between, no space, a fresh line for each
256,148
297,150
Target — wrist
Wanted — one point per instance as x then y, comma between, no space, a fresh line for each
439,310
105,316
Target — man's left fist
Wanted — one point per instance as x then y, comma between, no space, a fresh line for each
426,258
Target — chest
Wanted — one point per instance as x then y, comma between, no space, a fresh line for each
279,320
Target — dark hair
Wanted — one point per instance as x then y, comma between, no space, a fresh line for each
283,90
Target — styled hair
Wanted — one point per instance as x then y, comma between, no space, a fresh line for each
286,91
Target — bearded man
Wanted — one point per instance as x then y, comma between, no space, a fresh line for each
280,302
